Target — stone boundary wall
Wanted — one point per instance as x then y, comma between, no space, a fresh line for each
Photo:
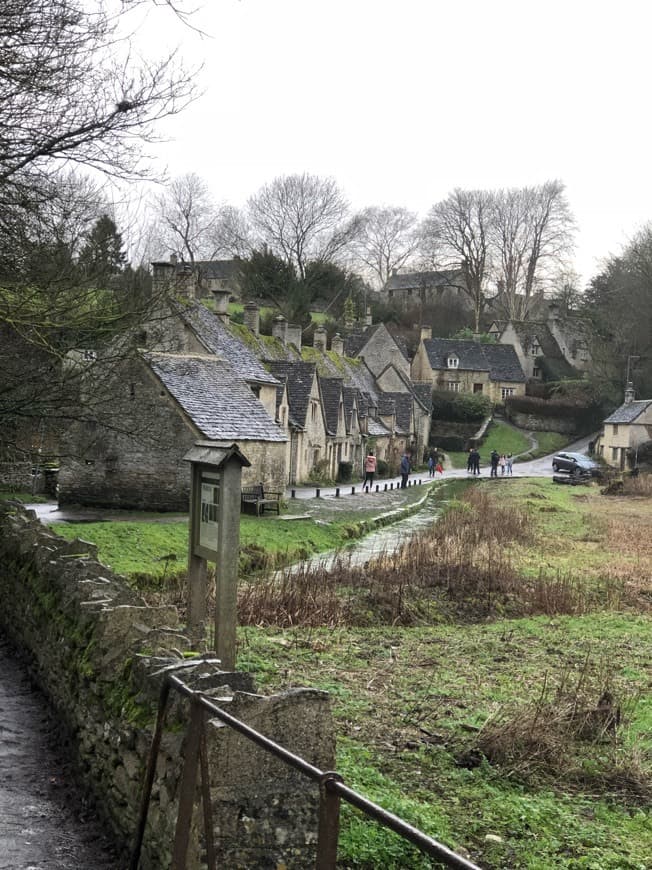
99,653
535,423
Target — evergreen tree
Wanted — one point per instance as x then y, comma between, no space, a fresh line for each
102,257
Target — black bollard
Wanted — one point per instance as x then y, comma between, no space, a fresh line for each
337,492
317,493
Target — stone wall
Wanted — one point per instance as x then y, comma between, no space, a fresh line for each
535,423
99,652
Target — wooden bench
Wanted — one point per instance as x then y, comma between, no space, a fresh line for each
254,500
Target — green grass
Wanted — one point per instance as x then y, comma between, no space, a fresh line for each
25,497
501,437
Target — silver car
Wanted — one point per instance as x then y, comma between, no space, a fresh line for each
576,464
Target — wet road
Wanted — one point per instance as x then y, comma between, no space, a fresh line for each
43,824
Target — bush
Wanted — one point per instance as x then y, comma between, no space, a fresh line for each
451,442
382,468
587,415
460,407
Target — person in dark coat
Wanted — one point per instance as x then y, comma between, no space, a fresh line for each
475,461
495,458
405,469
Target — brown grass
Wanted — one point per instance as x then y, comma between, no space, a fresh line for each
556,736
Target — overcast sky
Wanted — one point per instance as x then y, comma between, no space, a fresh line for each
402,101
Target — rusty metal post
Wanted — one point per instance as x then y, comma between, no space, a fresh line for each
329,823
149,775
187,788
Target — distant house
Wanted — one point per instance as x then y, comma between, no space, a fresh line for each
539,353
412,288
198,278
162,404
550,349
378,348
464,366
625,429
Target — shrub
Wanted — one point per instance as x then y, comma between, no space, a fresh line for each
450,442
319,473
459,407
382,468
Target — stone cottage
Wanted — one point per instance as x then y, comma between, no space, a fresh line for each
465,366
132,455
629,426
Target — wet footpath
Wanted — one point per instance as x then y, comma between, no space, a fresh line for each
44,824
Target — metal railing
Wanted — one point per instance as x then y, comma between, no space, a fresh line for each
332,790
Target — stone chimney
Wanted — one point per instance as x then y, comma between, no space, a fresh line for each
368,319
426,332
337,344
629,393
280,328
221,298
162,276
294,335
252,317
319,341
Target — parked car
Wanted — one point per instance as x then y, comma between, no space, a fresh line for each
576,464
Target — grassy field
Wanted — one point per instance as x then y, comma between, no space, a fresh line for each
505,439
469,727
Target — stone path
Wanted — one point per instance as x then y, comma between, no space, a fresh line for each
43,824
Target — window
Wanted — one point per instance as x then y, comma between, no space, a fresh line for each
614,453
453,386
615,425
478,388
313,412
453,362
506,391
536,372
536,349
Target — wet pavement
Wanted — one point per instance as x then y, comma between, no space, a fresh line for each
43,823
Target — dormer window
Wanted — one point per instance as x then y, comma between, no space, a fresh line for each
453,361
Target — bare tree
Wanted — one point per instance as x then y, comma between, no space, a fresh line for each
385,240
70,91
456,235
301,218
531,234
188,217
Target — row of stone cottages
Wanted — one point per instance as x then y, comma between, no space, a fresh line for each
291,409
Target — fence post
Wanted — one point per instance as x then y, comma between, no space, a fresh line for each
187,787
329,823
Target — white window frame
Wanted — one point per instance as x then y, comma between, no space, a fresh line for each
506,392
453,362
453,386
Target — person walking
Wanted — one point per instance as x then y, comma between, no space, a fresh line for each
495,456
510,462
431,465
475,461
405,469
469,461
502,462
439,468
369,469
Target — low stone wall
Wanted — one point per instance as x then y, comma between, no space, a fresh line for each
99,652
535,423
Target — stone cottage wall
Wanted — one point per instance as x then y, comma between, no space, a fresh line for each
99,654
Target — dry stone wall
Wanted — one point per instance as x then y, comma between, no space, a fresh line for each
100,653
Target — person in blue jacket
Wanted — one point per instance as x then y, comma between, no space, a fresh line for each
405,469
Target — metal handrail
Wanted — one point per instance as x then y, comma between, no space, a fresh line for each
331,785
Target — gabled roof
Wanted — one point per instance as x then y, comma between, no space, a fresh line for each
215,398
350,397
500,360
402,409
299,377
417,280
217,339
377,429
530,332
630,411
331,392
356,340
423,393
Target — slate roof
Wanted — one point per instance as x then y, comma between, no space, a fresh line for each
350,396
217,339
414,280
377,429
331,390
217,400
629,412
423,392
529,331
358,338
402,409
299,377
500,360
223,269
